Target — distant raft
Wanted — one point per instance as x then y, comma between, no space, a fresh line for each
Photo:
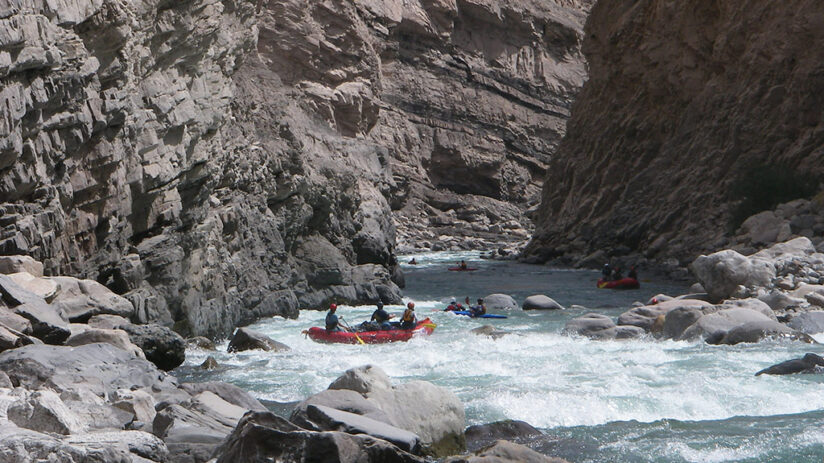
464,269
623,283
318,334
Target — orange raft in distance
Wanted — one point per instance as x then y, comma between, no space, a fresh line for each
623,283
318,334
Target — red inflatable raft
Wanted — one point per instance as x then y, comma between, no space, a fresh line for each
459,269
623,283
318,334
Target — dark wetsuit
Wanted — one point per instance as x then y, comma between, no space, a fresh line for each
382,317
332,322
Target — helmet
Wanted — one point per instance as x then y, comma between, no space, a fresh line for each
454,301
333,306
480,300
380,304
411,305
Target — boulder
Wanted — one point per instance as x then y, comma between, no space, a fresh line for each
46,322
5,381
264,436
505,452
329,419
200,342
189,435
436,415
500,302
815,299
117,338
95,411
11,339
481,435
810,363
24,445
246,339
644,317
139,403
590,325
100,369
761,228
209,364
778,300
162,346
107,322
363,379
540,302
787,251
16,264
44,411
228,392
43,287
678,320
723,272
79,300
721,321
210,404
808,322
13,321
658,298
749,303
758,330
134,443
489,330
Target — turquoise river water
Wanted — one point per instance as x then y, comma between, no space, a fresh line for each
597,401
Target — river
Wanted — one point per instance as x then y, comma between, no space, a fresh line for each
597,401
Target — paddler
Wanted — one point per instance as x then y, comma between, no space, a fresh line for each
408,320
332,323
478,310
381,317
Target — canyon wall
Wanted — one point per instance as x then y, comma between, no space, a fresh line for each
216,161
695,116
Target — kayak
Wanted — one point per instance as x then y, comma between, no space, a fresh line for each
318,334
469,314
623,283
458,269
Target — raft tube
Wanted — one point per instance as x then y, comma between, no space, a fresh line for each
623,283
458,269
318,334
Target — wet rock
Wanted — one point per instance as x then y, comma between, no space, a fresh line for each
489,330
810,363
209,364
479,436
263,436
201,342
15,264
592,325
645,316
246,339
329,419
363,379
758,330
779,301
503,452
722,321
500,302
228,392
541,302
79,300
162,346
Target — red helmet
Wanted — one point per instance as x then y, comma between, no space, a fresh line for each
333,306
411,305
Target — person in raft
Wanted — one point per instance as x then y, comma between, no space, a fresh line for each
606,272
617,274
462,265
381,317
478,310
453,307
633,273
408,320
332,323
413,261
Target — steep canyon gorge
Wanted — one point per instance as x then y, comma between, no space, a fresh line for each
216,161
696,116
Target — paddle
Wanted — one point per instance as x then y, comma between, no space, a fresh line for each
346,325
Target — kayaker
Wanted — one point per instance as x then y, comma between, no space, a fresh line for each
413,261
453,307
633,273
478,310
381,317
462,265
332,323
408,320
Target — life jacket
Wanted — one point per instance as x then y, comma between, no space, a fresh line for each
408,316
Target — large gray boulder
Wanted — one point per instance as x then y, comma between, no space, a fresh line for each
24,445
778,300
810,363
505,452
117,338
500,302
190,435
436,415
228,392
44,411
43,287
162,346
79,300
481,435
750,303
10,339
264,436
808,322
645,316
759,330
46,322
330,419
721,322
541,302
100,369
723,272
16,264
13,321
246,339
139,446
591,325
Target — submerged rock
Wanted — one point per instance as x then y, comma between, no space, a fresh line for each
246,339
481,435
810,363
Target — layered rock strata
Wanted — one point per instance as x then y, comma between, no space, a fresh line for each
692,116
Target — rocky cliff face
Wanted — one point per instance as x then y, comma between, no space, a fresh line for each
215,161
460,103
692,112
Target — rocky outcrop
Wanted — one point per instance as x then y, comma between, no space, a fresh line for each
694,117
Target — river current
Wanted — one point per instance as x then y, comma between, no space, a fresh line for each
597,401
